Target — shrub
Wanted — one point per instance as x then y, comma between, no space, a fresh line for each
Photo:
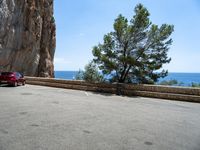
195,84
91,73
170,82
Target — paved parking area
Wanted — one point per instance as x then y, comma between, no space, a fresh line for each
44,118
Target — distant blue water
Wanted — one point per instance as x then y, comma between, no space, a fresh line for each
68,75
185,78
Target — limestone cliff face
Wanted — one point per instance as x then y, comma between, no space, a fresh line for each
27,37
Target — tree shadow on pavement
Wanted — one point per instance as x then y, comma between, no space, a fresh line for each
112,94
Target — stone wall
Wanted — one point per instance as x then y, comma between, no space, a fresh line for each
155,91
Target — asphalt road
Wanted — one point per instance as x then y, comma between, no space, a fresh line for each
44,118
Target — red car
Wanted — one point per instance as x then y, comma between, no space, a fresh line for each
12,78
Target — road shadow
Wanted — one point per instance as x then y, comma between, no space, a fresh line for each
113,94
6,86
102,93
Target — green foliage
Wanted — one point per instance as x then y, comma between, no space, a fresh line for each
79,75
195,84
91,73
175,82
135,49
52,19
170,82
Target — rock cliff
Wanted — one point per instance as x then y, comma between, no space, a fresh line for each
27,37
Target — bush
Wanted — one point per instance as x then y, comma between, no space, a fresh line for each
195,84
170,82
91,73
79,75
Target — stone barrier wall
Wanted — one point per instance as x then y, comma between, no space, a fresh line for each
154,91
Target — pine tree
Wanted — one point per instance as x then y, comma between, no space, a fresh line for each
135,50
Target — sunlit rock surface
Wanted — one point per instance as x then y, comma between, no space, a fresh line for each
27,37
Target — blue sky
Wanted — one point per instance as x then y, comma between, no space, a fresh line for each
81,24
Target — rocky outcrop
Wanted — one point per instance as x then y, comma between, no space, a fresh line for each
27,37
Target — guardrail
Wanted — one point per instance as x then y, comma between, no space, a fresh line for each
154,91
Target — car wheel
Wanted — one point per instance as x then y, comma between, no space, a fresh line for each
23,83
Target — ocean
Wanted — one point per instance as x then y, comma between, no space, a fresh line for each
184,78
68,75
